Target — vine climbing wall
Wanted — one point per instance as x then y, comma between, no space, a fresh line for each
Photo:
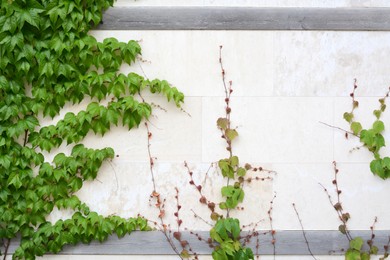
284,94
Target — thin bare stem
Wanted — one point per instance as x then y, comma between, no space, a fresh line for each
155,195
199,188
339,128
303,232
199,217
370,242
338,205
271,207
151,159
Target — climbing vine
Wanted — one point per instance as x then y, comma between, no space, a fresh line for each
356,250
226,236
371,138
48,60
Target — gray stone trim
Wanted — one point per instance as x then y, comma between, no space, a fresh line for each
246,18
287,243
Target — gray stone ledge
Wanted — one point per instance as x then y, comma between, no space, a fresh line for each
246,18
287,243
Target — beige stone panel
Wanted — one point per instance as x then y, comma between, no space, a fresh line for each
364,196
176,135
326,63
351,150
124,188
271,129
190,59
299,184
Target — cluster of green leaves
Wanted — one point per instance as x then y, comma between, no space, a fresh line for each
356,251
48,60
227,233
371,138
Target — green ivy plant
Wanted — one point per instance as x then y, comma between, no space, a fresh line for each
226,231
48,60
371,138
355,251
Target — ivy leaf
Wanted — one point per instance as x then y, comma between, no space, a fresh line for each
234,161
222,123
352,255
113,116
343,229
241,172
231,134
356,127
76,184
348,117
31,16
131,119
377,169
14,180
184,253
377,113
356,243
378,127
31,122
374,250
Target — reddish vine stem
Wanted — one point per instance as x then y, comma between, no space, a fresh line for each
199,188
151,159
338,205
303,232
178,220
156,195
370,242
199,217
228,92
352,95
273,232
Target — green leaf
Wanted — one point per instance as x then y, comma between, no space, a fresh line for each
231,134
374,250
184,253
365,256
348,117
367,137
356,127
356,243
377,113
219,254
241,172
234,161
378,127
377,169
227,191
15,181
352,255
222,123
